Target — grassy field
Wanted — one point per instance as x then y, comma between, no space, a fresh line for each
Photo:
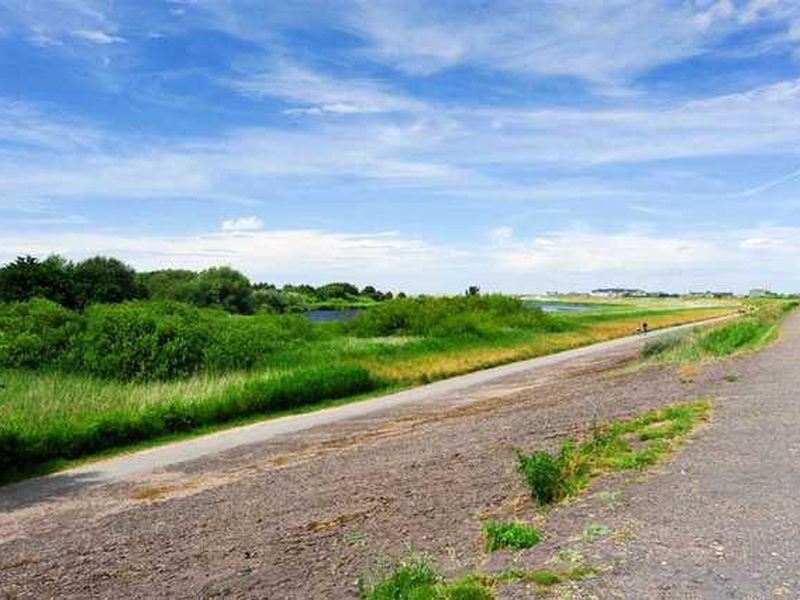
59,411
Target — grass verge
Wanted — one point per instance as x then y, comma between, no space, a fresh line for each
753,331
628,444
34,442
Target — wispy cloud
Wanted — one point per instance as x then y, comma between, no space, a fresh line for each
600,42
96,36
318,94
30,126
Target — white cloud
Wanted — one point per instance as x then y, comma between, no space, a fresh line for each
720,10
319,94
242,224
385,258
97,36
589,252
559,259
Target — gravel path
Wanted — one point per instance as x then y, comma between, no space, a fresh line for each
723,520
304,516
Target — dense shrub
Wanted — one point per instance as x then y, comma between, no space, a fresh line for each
238,342
446,317
142,340
36,334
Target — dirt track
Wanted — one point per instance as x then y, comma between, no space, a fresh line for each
305,517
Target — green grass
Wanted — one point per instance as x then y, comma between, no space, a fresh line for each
126,413
49,417
629,444
513,535
414,578
755,329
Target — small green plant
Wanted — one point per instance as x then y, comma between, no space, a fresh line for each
730,378
514,535
414,578
543,473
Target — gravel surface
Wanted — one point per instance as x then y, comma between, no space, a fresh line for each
307,515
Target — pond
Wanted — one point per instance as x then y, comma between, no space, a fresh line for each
319,316
562,306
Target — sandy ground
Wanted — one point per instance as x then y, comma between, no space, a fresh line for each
305,516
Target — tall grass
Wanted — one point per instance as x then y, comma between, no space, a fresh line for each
67,431
757,326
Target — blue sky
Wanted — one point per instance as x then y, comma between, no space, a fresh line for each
424,146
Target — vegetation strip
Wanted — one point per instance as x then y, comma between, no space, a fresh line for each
629,444
757,327
414,578
82,382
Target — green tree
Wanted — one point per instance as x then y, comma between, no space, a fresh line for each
103,279
27,278
337,290
221,287
166,284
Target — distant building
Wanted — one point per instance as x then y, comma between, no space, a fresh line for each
618,292
760,293
710,294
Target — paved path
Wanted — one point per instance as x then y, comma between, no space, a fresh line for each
175,453
723,520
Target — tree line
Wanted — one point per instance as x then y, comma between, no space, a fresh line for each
107,280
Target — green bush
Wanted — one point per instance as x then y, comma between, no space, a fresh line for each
542,472
448,317
142,340
36,334
237,342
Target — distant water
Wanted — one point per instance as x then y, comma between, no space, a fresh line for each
330,315
561,306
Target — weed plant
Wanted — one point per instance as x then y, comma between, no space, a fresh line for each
513,535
